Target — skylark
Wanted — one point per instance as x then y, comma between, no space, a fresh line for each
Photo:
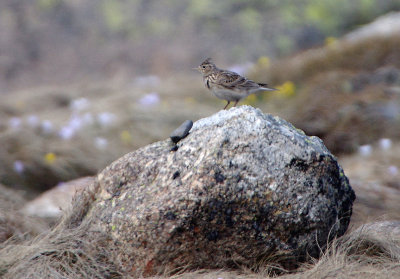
227,85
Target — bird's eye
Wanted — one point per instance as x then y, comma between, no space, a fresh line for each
203,67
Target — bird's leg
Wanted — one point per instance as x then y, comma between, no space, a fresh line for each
227,104
235,103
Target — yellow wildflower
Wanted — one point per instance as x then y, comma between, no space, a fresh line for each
50,158
330,40
263,61
126,137
288,88
190,100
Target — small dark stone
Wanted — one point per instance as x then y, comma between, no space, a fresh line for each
182,131
174,148
176,175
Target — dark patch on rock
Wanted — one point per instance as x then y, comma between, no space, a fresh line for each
299,164
219,177
170,215
176,175
212,236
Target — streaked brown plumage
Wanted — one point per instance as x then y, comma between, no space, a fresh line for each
227,85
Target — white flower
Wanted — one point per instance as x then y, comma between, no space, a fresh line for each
106,118
150,99
66,133
393,170
241,69
33,120
144,81
19,167
14,123
87,118
46,126
100,143
75,122
385,144
365,150
79,104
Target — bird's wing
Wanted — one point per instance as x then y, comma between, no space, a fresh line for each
231,80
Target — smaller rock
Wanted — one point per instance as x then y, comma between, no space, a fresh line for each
182,131
51,203
174,148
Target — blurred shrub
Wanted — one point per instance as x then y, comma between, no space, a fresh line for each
347,93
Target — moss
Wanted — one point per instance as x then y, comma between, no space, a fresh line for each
307,140
300,131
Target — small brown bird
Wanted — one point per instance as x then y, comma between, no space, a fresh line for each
227,85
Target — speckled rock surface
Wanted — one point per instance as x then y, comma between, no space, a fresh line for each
240,186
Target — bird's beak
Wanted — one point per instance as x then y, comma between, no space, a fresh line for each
197,69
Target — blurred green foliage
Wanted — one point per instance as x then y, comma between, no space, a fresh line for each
48,4
152,36
113,15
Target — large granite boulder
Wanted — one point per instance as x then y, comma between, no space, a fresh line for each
241,186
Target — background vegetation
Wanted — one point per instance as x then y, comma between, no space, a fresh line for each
48,41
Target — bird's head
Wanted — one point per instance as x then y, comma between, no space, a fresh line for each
206,67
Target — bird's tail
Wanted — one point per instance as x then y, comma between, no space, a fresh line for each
266,88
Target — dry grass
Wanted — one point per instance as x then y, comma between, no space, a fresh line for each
14,224
360,254
69,252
